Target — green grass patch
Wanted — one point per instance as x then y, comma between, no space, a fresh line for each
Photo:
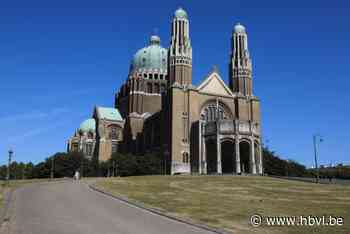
227,202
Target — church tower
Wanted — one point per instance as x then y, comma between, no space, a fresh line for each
240,64
180,51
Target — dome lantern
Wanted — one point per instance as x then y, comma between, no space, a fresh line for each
155,40
180,13
239,28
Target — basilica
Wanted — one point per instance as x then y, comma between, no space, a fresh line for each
209,128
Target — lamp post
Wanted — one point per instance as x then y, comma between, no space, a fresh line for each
52,167
8,166
316,139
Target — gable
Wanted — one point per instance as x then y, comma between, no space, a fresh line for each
213,84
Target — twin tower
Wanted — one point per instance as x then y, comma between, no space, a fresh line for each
180,56
208,128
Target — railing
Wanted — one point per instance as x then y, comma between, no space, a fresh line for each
230,127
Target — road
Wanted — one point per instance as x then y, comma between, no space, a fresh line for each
72,208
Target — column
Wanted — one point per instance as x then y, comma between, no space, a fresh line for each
252,157
80,149
260,161
218,154
204,157
200,150
238,159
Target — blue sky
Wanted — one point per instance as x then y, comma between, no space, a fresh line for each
60,58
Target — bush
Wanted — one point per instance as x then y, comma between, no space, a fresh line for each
129,164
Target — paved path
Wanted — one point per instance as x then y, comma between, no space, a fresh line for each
72,208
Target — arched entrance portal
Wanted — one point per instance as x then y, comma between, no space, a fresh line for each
244,152
212,161
228,157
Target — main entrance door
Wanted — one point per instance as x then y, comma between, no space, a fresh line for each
228,157
244,152
212,161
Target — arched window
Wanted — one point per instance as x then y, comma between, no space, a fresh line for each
89,149
114,148
75,147
113,132
156,87
90,135
185,157
149,87
213,111
162,88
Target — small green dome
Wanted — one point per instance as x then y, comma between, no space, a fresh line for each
180,13
88,125
152,57
239,28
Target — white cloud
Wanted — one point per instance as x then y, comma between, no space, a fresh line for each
34,132
38,114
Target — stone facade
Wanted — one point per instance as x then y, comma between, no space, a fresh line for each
100,135
211,128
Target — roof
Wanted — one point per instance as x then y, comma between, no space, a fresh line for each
180,13
239,28
152,57
108,113
88,125
214,84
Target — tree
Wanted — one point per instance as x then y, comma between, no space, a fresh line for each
274,165
126,165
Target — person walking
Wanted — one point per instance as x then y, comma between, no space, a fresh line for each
77,175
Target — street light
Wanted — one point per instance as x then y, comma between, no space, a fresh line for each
316,139
8,166
52,167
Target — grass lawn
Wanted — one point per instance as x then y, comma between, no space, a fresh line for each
227,202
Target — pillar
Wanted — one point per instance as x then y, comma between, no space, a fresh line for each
69,145
238,159
260,170
218,155
204,157
252,157
200,146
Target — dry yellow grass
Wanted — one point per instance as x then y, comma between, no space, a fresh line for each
227,202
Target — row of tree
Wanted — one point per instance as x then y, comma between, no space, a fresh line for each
339,171
129,164
274,165
65,165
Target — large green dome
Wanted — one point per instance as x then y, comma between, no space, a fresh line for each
152,57
88,125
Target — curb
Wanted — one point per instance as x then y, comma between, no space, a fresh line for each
158,212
